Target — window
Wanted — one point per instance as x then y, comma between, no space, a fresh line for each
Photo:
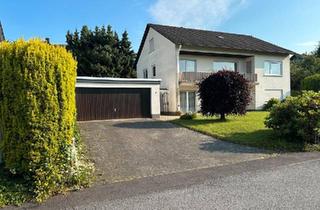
187,102
221,65
154,73
145,73
249,67
187,65
151,45
273,68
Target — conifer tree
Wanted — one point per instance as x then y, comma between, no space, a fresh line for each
100,53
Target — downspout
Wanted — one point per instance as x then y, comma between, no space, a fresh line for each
178,78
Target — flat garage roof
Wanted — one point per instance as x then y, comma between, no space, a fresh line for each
110,80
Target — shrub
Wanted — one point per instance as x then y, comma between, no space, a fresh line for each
38,114
224,92
311,83
297,118
270,104
188,116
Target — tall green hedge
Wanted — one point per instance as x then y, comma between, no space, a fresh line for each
311,83
37,106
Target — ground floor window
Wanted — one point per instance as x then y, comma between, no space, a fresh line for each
187,101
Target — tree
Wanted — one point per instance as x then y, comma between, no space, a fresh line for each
224,92
100,52
301,68
317,51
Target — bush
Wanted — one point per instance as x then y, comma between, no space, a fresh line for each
224,92
38,114
270,104
311,83
188,116
297,118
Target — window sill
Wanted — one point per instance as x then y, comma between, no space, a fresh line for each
272,75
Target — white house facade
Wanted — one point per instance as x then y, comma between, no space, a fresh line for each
181,57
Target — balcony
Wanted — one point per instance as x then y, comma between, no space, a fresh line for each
193,77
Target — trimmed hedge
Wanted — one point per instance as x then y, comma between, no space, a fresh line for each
38,114
311,83
297,118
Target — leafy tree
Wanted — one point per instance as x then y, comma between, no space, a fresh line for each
100,52
224,92
317,51
304,66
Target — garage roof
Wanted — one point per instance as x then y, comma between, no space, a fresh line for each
110,80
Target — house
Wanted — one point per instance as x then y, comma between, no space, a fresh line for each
181,57
1,33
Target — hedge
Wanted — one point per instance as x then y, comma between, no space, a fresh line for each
297,118
311,83
37,122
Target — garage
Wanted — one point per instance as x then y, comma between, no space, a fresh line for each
117,98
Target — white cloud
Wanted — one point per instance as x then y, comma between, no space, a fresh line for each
308,44
194,13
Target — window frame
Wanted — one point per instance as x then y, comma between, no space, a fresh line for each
270,74
186,60
236,64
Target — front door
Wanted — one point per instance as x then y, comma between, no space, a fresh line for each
187,101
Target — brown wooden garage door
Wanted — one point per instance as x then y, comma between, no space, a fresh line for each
112,103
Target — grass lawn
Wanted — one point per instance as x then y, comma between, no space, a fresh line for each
247,130
13,191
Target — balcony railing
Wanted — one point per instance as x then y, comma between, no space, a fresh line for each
198,76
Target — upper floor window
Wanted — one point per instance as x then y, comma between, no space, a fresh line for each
145,73
187,65
154,73
223,65
273,68
151,45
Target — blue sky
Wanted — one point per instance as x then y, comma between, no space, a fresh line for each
293,24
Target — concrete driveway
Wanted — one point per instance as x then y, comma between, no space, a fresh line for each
131,149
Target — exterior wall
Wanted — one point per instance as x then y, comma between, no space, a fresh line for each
164,57
271,86
153,85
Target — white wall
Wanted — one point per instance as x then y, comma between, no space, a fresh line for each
271,86
165,59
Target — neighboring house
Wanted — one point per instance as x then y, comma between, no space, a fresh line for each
1,33
181,57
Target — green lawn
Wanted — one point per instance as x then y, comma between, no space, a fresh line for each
247,130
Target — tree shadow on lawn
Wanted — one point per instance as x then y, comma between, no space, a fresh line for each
263,140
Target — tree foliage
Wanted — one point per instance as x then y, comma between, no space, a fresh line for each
224,92
304,66
311,83
100,52
297,118
38,114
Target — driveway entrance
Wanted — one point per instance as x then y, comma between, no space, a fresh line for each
130,149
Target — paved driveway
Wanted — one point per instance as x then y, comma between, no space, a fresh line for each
131,149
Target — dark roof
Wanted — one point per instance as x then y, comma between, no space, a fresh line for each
1,33
214,39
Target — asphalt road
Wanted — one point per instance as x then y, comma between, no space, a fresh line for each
294,186
290,181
